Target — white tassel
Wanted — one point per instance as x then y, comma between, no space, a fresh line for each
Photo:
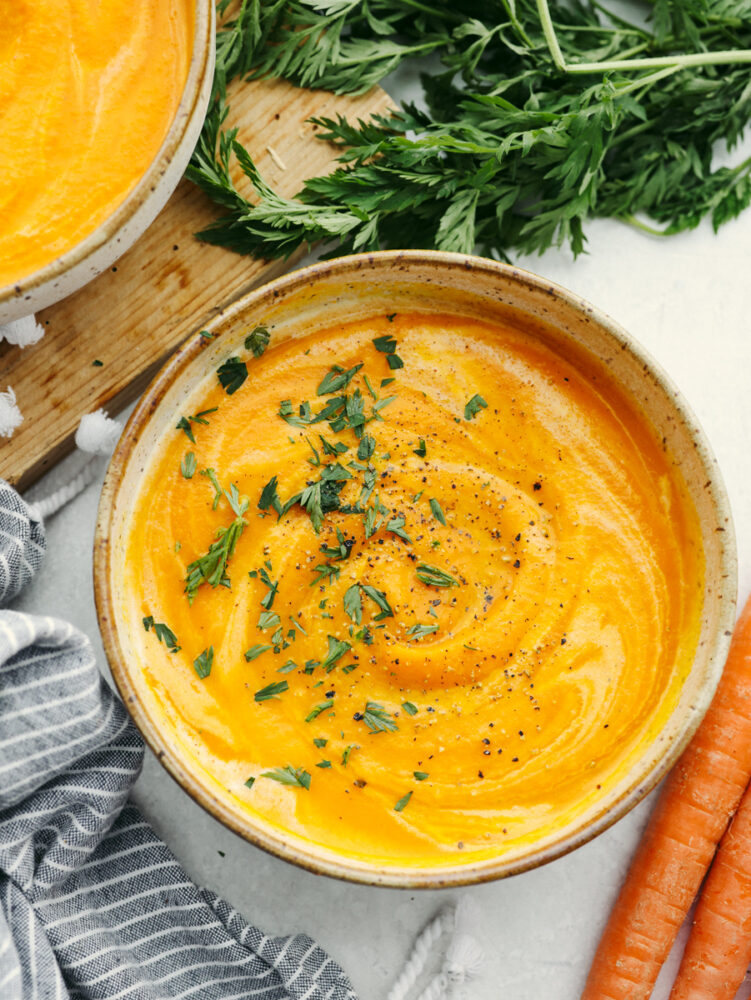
22,332
463,962
464,959
10,415
97,433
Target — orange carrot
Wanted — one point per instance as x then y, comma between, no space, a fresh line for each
698,800
718,951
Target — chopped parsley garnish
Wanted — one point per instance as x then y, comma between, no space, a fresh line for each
385,344
418,631
347,752
474,406
288,667
325,571
422,450
336,379
338,448
337,649
294,776
323,706
342,551
212,566
353,603
377,407
268,598
203,662
255,651
319,742
322,497
270,497
409,708
437,511
183,424
163,633
315,460
396,527
257,341
380,599
188,465
231,374
272,690
421,775
323,763
378,719
211,476
366,447
435,577
402,802
268,619
250,782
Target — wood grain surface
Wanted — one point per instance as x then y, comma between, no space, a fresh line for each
168,285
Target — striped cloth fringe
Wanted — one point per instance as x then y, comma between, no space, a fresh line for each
92,904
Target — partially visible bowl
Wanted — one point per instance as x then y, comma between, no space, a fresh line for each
420,281
102,247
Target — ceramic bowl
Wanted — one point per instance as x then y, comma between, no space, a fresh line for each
100,249
383,282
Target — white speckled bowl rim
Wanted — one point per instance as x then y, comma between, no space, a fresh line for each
442,275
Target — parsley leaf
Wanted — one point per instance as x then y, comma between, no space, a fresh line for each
402,802
270,497
232,373
336,379
337,649
293,776
433,576
203,662
255,651
378,719
366,447
437,511
473,407
324,706
163,633
272,690
188,465
418,631
385,344
353,603
257,341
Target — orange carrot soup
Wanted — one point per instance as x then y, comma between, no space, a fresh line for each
87,95
414,590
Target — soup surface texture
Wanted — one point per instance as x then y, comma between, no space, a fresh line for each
87,94
475,610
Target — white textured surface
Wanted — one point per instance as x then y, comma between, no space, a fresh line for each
688,300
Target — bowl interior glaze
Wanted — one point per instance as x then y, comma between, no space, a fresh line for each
432,282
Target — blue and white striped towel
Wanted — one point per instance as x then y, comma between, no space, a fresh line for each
92,904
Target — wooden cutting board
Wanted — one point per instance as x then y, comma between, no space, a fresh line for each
168,285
